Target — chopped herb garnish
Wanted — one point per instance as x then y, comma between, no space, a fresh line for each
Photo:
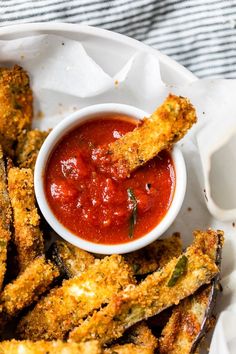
3,243
133,217
179,270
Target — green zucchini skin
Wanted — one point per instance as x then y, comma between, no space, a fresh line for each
214,289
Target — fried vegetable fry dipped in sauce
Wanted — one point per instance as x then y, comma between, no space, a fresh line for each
27,237
15,106
189,320
147,299
27,287
5,218
54,347
168,124
28,148
63,308
71,260
110,210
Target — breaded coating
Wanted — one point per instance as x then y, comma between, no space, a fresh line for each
4,238
27,287
129,348
5,218
168,124
185,323
27,237
54,347
138,339
155,255
9,164
211,242
189,320
28,148
141,335
5,205
16,106
63,308
147,299
71,260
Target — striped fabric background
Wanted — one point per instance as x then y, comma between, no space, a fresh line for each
200,34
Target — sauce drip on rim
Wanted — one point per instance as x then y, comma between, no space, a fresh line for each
91,203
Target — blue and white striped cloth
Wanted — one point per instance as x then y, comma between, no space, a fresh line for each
200,34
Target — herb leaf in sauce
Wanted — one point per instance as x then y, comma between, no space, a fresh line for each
133,217
179,270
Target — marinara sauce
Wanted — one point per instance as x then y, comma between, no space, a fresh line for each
91,203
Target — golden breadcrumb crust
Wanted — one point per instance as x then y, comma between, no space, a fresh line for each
5,218
74,260
168,124
155,255
54,347
147,299
62,309
140,334
27,237
139,339
28,148
185,323
28,286
129,348
16,108
187,319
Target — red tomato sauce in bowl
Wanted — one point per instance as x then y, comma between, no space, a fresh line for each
92,204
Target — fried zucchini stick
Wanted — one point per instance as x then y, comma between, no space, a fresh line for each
56,314
54,347
27,237
156,293
5,205
211,243
168,124
28,148
139,339
155,255
27,287
140,334
16,108
189,320
129,348
5,218
185,323
71,260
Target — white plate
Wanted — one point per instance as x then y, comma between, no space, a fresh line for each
110,50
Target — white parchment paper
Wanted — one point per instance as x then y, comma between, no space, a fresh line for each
64,79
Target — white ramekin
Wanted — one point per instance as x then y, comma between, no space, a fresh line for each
48,146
